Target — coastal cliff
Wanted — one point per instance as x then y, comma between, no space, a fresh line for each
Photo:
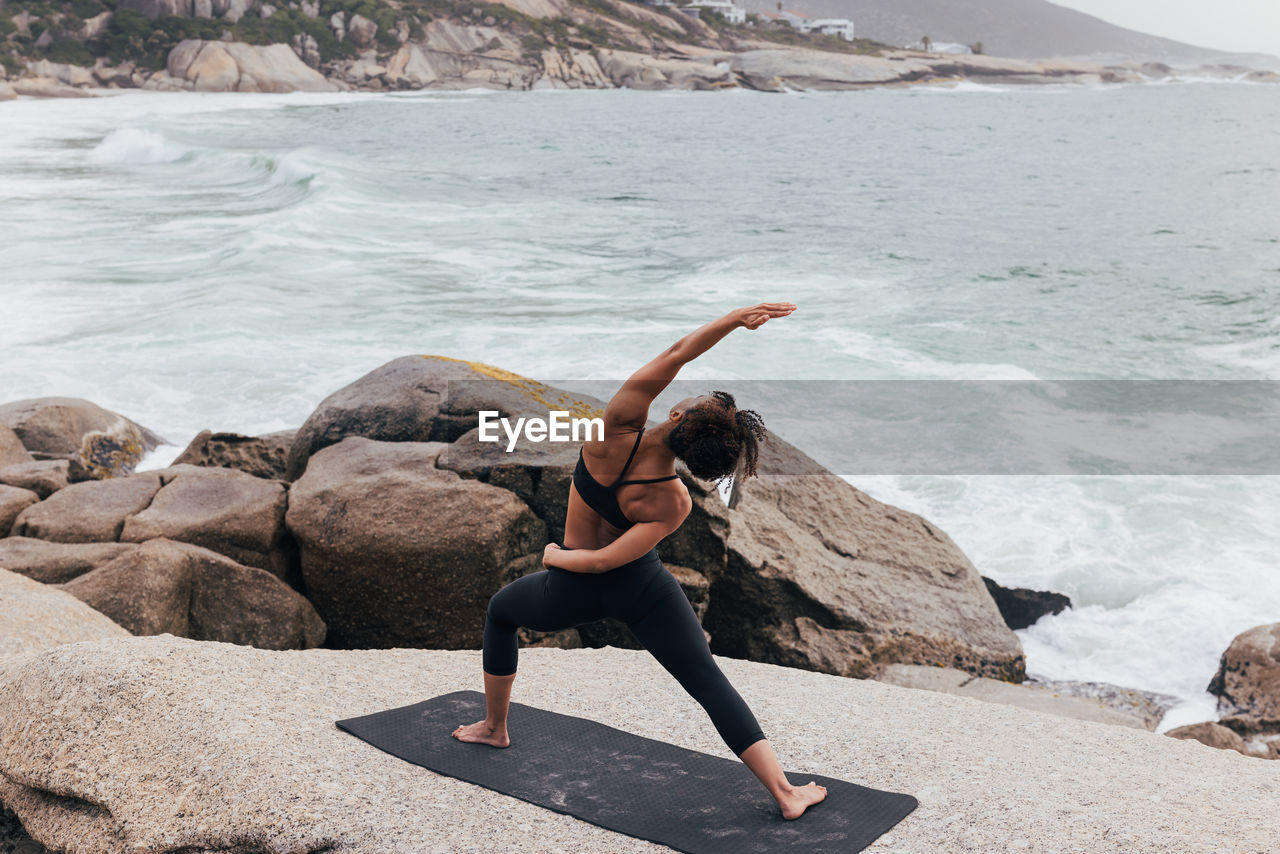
76,47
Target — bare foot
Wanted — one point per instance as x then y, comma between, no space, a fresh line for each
485,734
800,798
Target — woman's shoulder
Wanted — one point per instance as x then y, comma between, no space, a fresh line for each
615,435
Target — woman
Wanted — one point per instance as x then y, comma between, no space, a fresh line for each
609,565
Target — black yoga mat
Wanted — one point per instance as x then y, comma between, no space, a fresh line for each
685,799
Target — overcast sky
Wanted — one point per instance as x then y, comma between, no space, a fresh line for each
1243,25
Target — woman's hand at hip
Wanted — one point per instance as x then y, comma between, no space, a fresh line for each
548,553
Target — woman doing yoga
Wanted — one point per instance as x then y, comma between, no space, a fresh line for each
609,565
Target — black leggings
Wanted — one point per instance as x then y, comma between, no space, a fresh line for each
645,596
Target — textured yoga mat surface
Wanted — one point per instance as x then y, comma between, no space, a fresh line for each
685,799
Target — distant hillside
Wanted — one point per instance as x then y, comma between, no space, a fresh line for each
1017,28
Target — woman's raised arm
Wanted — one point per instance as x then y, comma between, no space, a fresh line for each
629,406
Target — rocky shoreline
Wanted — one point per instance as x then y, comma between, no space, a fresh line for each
371,538
202,66
514,45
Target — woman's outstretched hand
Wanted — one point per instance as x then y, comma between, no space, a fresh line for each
754,316
546,552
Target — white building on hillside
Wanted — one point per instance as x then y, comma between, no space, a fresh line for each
791,16
734,14
842,27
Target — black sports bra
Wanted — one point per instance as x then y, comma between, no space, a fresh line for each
604,499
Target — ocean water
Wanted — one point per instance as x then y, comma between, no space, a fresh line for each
225,261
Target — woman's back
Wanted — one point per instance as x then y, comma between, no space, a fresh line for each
602,507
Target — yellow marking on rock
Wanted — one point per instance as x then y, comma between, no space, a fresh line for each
532,389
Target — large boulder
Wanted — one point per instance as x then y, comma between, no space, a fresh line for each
361,30
43,477
72,75
397,552
218,66
13,500
423,399
93,511
12,451
229,511
570,68
1247,683
774,69
35,617
46,87
643,71
824,577
98,443
226,510
260,456
164,586
162,744
55,563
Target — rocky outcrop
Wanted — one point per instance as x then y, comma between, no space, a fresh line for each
162,744
96,442
396,552
164,586
1247,683
43,477
13,500
36,617
415,66
88,512
824,577
12,451
260,456
775,69
805,571
71,75
55,563
216,66
1247,686
1021,607
45,87
570,68
361,30
229,511
642,71
422,399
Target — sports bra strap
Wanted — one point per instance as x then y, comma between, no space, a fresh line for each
627,464
648,480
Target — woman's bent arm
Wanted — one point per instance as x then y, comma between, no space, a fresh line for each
634,542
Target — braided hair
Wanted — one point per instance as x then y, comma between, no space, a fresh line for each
714,436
